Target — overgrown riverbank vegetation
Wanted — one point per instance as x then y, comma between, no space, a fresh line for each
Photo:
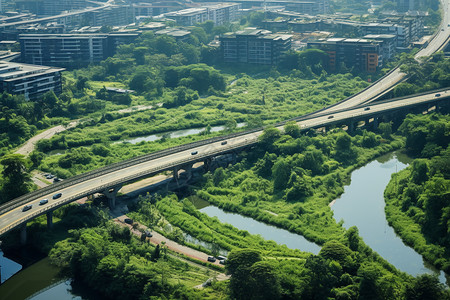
290,186
418,198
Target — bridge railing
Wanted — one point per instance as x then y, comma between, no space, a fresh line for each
129,178
120,165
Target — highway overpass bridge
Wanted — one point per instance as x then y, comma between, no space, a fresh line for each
385,84
108,180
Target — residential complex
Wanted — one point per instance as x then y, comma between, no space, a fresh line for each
254,46
220,13
70,50
50,7
361,54
30,80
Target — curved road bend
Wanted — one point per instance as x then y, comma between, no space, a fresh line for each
396,75
15,216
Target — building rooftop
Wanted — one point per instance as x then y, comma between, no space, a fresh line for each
175,32
10,71
379,36
187,12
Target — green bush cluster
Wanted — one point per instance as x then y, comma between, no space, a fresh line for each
417,199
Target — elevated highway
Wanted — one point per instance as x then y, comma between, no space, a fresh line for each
395,76
109,180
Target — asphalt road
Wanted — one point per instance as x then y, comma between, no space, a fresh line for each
396,75
70,193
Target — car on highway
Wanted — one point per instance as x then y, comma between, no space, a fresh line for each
330,117
367,108
211,259
224,143
56,196
194,152
437,95
27,207
43,201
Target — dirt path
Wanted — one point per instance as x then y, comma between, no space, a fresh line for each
28,147
158,239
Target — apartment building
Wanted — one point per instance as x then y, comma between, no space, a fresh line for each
50,7
220,13
70,50
360,54
30,80
254,46
400,31
387,42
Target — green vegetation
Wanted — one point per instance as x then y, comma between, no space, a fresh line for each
112,261
253,101
435,69
417,199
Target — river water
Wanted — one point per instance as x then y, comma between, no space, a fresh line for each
173,134
280,236
361,205
158,136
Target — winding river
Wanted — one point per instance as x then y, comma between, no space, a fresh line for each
361,205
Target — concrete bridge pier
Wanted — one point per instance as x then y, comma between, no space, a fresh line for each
350,127
23,234
111,194
207,164
50,219
375,123
175,174
188,170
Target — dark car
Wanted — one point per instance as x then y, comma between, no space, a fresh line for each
27,207
211,259
194,152
43,201
128,221
367,108
148,234
56,179
56,196
437,95
330,117
224,143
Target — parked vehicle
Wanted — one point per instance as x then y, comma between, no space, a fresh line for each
224,143
148,234
211,259
128,221
56,179
43,201
330,117
49,176
27,207
56,196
